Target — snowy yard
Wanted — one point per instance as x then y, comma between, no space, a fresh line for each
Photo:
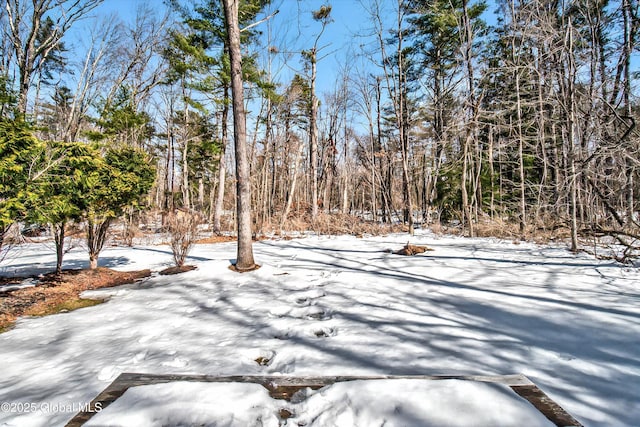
341,306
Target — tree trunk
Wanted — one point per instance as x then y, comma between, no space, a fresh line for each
168,191
523,202
186,193
244,261
59,235
217,213
292,188
96,238
466,211
571,146
313,139
472,131
402,117
221,167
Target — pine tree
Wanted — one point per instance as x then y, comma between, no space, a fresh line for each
60,196
122,177
18,150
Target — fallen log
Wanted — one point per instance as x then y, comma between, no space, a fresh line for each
410,250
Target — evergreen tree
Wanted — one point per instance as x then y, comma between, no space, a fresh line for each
442,42
18,149
122,177
199,62
61,195
121,124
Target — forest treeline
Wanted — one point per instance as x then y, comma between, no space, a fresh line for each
525,123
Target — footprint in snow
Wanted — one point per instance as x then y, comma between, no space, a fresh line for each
330,273
565,357
303,301
309,312
325,332
317,313
276,333
307,297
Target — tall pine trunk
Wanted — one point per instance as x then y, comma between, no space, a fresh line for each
244,261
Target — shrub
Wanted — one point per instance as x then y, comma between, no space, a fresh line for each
183,234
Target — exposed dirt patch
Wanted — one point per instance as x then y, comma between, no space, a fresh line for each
217,239
262,361
225,239
10,280
54,294
285,414
177,270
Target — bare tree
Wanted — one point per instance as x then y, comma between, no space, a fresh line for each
222,170
322,15
30,46
295,98
92,77
395,73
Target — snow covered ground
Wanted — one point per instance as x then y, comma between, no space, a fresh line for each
423,403
340,306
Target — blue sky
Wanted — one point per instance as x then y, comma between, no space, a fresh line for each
293,30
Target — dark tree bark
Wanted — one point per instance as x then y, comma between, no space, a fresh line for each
244,260
59,235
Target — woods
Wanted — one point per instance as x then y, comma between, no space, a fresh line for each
505,118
